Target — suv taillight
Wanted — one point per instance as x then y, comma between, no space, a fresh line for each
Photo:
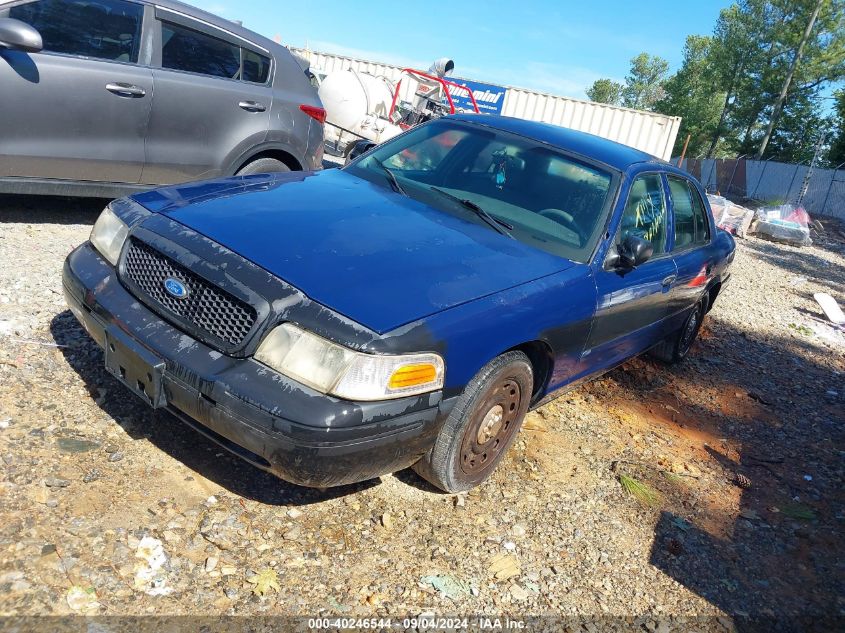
314,112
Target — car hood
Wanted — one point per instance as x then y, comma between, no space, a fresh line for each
373,255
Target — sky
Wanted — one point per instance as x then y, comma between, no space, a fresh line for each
559,47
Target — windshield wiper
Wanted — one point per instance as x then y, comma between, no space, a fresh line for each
495,223
390,175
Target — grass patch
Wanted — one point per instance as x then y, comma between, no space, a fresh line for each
673,477
798,511
642,492
774,202
801,329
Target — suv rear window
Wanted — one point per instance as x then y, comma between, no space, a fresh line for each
106,29
192,51
195,52
256,67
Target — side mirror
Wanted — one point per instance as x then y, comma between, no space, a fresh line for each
19,36
357,148
632,252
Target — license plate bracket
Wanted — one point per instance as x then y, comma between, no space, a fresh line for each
137,368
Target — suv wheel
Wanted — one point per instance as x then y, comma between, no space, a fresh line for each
263,166
482,425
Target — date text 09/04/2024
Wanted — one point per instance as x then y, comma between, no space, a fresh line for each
417,623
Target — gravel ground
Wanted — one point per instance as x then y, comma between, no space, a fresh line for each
108,508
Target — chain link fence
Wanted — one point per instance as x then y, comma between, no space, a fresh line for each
773,182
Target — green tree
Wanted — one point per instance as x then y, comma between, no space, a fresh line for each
753,87
689,94
734,50
795,61
644,83
802,123
746,53
605,91
836,154
762,69
802,49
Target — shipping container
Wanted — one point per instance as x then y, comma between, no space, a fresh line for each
646,131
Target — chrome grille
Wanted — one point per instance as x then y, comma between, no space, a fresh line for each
206,307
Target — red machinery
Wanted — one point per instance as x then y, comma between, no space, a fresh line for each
425,107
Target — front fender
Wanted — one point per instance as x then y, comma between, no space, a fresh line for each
556,310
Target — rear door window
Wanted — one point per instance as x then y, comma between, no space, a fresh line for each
256,67
191,51
691,225
105,29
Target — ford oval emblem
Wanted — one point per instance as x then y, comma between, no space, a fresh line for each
175,288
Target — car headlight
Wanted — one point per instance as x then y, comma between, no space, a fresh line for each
108,235
342,372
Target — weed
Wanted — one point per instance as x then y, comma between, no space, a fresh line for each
643,493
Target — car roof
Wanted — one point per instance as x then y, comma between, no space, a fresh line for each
221,23
601,149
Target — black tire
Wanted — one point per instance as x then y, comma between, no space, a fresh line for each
676,347
491,408
263,166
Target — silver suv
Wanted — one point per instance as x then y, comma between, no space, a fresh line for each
106,97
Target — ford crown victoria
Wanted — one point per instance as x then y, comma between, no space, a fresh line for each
406,310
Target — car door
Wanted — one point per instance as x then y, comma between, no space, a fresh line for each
77,110
212,100
632,305
691,238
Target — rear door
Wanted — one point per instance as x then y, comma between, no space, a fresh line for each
79,109
632,306
690,247
212,103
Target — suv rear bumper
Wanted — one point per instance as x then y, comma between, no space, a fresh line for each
276,424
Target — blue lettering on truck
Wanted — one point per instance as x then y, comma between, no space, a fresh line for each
490,98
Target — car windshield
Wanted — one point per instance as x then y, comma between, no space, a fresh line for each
515,185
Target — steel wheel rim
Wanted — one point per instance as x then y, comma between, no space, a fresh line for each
689,332
490,428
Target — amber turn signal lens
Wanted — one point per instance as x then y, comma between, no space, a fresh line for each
410,375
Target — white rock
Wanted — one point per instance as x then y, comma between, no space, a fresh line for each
518,593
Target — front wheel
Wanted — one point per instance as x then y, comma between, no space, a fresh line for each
482,425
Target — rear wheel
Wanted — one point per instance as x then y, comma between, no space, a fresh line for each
675,348
263,166
482,425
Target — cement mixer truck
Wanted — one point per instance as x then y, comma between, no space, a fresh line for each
363,110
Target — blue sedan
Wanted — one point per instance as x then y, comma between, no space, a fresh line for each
406,310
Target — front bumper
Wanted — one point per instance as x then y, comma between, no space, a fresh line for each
275,423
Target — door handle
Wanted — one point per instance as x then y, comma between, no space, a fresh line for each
668,281
125,90
252,106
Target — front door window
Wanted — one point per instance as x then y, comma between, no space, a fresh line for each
106,29
645,212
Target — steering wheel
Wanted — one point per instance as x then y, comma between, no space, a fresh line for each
564,219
